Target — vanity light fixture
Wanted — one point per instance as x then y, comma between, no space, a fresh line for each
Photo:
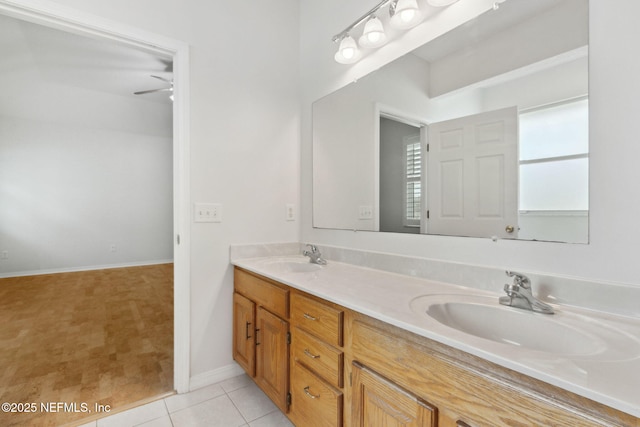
348,52
403,14
373,34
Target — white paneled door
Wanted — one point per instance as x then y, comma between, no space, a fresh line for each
473,175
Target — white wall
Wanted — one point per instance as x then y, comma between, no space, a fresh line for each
81,170
614,90
70,192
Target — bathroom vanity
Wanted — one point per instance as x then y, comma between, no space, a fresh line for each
342,345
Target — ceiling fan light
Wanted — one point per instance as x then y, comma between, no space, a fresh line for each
348,52
373,34
406,14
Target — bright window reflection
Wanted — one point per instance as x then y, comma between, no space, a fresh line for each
555,186
554,158
559,130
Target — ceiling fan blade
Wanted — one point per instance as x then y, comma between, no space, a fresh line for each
142,92
163,79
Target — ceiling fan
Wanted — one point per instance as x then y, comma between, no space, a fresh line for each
166,89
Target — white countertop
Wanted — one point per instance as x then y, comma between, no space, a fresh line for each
611,378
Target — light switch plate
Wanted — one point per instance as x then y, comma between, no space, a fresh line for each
207,212
365,212
290,214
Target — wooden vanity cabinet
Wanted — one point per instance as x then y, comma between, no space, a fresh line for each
344,368
261,333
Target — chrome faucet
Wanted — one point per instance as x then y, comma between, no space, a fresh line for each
519,295
315,257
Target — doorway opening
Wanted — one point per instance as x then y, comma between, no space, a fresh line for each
96,29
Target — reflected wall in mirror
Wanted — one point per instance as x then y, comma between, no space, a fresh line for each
481,132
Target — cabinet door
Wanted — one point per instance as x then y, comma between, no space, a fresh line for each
272,357
244,324
379,402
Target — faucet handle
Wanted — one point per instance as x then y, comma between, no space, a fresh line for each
511,290
313,248
519,279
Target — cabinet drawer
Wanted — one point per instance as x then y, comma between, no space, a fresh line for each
319,356
318,318
314,403
264,293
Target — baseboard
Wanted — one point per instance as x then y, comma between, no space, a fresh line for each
84,268
215,376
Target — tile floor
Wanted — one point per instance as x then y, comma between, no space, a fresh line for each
236,402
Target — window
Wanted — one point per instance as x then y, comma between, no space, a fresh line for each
413,183
554,157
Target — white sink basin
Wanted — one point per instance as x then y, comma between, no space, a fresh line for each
563,333
293,265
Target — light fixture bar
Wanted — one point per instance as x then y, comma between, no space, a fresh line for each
360,20
403,15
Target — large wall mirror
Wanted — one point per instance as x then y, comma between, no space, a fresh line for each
481,132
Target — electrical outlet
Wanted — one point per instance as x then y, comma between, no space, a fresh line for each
291,212
365,212
208,212
4,255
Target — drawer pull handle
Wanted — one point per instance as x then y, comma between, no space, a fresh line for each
311,355
257,330
460,423
310,317
247,330
308,393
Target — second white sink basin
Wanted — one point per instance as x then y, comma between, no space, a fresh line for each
561,334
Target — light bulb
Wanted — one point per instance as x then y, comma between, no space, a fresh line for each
348,51
373,34
406,14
